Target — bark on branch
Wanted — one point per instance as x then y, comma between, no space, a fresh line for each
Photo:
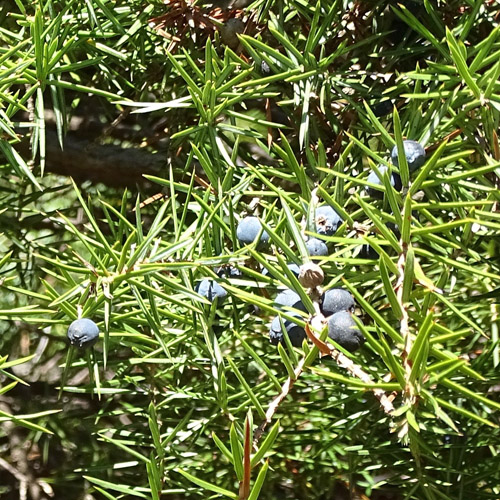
84,159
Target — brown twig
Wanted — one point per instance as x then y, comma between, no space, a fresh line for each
285,389
348,364
344,362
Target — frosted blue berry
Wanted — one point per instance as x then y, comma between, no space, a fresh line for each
83,333
248,229
296,334
316,248
295,268
289,298
228,272
343,330
327,220
210,289
335,300
374,179
292,266
414,152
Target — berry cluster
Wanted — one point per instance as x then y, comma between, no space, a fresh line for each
336,304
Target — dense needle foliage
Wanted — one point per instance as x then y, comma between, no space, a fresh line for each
134,137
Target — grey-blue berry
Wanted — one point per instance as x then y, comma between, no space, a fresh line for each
295,268
248,229
210,289
395,180
335,300
289,298
414,152
343,330
83,333
327,220
296,334
316,248
292,266
228,272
